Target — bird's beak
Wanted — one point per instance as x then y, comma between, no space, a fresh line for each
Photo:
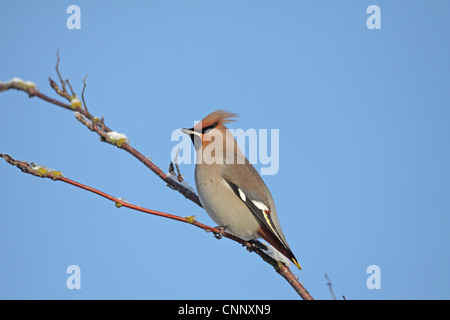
188,131
191,133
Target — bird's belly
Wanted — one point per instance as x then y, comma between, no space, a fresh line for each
229,212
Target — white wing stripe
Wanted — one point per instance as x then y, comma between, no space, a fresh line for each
242,195
260,205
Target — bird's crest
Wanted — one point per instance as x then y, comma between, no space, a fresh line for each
218,117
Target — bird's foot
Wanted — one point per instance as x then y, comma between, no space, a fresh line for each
218,235
256,244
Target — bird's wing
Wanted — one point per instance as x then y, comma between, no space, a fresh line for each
248,185
250,188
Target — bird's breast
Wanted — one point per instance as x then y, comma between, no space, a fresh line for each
224,206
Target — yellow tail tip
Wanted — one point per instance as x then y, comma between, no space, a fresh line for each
296,264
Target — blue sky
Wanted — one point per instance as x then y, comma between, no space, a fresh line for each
364,123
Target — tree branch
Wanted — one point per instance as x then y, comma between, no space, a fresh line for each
96,125
44,172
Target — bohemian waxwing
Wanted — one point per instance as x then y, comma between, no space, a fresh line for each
229,187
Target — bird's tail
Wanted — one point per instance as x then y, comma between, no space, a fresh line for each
281,246
296,263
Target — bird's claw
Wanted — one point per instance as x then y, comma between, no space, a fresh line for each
218,235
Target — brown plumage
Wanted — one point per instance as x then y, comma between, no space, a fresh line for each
220,116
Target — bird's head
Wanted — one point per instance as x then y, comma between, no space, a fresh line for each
210,128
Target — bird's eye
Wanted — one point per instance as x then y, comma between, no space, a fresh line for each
208,129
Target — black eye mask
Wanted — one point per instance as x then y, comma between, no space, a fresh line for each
207,129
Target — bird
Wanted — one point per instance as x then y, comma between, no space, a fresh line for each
230,189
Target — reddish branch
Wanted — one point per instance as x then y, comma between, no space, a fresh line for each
98,126
43,172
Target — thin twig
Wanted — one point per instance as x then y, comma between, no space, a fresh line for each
329,286
180,177
63,85
71,89
82,93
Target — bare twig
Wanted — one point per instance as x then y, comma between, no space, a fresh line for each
329,286
82,93
55,87
71,89
62,93
180,177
